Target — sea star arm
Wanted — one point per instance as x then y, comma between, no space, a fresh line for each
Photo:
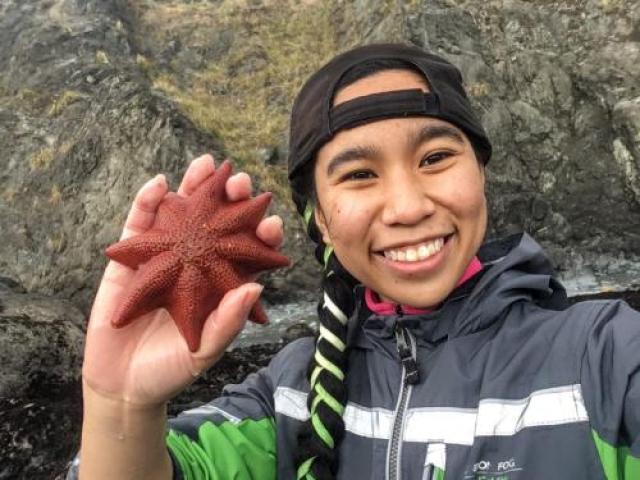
192,300
255,255
171,212
227,276
139,249
258,314
241,214
211,193
149,288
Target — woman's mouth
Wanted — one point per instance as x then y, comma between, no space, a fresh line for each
416,252
418,258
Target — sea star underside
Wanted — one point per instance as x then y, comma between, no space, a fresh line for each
198,248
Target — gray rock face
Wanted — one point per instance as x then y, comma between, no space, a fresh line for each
41,342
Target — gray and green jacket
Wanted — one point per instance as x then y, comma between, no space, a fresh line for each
512,383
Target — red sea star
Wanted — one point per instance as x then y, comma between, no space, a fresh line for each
198,248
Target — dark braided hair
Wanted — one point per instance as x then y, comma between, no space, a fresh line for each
320,436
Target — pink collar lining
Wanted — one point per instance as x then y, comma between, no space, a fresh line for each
387,308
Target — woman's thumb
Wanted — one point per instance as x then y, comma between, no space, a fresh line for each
224,324
250,292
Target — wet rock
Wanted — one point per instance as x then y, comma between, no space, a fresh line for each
41,343
296,331
39,434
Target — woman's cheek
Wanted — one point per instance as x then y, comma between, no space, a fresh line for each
349,221
478,200
466,195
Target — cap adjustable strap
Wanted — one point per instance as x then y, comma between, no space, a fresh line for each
382,105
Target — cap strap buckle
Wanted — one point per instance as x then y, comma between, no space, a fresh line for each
379,106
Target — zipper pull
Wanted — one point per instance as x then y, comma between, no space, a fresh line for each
406,354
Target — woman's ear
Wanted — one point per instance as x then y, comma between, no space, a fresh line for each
321,223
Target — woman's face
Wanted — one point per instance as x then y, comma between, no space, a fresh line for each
401,200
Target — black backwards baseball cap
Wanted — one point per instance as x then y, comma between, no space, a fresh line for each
314,121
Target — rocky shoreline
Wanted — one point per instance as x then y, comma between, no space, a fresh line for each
40,432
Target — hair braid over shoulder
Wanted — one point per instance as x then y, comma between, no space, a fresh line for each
319,438
321,435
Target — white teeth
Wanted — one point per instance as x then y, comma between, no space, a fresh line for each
391,254
415,252
430,249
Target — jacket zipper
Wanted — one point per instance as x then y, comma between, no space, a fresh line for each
410,376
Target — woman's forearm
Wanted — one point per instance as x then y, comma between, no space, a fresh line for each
123,441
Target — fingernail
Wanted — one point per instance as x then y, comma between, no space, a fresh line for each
237,176
278,219
252,294
151,181
159,180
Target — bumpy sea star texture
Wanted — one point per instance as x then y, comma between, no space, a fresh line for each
198,248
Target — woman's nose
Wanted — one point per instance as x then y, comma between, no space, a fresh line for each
407,201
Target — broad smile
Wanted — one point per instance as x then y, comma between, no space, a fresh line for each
415,257
416,252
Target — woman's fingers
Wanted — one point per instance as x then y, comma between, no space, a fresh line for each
270,231
225,323
238,187
144,208
199,170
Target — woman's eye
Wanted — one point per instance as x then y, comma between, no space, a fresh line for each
434,158
358,175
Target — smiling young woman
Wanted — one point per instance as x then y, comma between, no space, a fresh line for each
439,355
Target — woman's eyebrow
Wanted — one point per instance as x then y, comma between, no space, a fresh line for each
351,154
431,132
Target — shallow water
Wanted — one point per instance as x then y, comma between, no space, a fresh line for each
602,274
281,317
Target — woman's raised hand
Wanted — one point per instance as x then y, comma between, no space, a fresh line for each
147,362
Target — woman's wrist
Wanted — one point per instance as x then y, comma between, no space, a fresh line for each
110,407
122,440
